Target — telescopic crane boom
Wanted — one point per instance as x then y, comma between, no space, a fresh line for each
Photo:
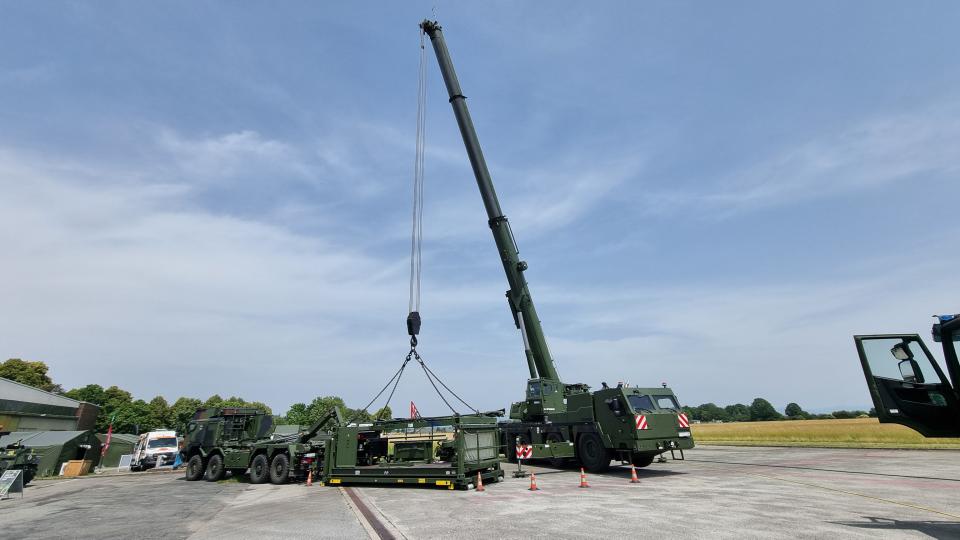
521,302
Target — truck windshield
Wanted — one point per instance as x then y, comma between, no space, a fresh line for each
667,402
162,442
640,403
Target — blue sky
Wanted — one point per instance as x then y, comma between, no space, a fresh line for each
206,197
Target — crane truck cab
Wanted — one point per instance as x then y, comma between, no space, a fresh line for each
906,383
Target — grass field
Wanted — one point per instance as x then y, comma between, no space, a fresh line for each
854,433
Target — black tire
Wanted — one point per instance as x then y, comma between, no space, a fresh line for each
280,469
195,468
215,470
28,475
259,469
642,460
593,456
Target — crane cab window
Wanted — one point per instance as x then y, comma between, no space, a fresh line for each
667,402
533,389
641,403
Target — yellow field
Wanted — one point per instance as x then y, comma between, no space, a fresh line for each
856,433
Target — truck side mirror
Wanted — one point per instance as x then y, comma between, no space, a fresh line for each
910,371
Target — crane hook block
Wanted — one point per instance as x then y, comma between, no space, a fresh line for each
413,323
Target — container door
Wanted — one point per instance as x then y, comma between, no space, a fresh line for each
907,385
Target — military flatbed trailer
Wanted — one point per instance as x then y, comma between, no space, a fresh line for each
443,451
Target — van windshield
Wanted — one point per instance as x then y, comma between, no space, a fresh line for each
162,442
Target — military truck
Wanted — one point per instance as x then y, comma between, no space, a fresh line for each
237,440
18,456
561,420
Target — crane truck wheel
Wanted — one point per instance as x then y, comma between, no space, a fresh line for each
280,469
593,456
195,468
215,470
259,469
642,460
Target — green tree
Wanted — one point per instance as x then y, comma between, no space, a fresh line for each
30,373
737,412
710,412
160,414
761,409
297,414
322,405
213,401
91,393
384,413
182,411
794,411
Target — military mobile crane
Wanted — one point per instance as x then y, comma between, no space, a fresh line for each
558,419
906,383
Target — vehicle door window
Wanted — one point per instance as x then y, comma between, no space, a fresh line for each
900,359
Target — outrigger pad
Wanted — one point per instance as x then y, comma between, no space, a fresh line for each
413,323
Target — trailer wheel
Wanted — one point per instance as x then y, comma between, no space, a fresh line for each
215,469
259,469
593,456
195,468
642,460
280,469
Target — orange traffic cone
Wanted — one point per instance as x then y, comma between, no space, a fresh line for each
533,482
633,475
583,479
310,478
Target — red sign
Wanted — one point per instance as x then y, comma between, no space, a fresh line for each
524,451
642,422
684,423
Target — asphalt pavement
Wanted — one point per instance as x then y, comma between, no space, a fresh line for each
718,492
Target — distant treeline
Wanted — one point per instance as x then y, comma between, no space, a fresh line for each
761,410
129,415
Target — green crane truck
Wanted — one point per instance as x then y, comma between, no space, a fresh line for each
906,383
221,440
558,419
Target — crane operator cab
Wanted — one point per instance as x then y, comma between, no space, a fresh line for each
906,383
544,397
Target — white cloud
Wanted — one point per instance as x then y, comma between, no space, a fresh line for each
869,154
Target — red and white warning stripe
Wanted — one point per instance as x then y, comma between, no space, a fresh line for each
524,451
683,420
642,422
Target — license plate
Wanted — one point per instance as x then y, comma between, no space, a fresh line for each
683,433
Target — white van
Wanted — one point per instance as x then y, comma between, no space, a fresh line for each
155,447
